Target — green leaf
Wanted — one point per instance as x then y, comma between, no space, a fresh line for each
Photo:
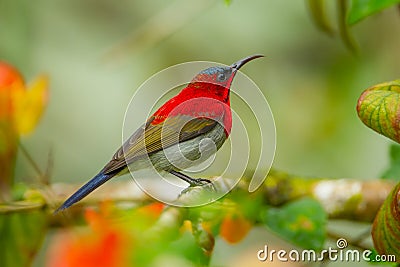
188,248
379,108
301,222
361,9
386,227
22,230
319,15
393,172
18,191
345,34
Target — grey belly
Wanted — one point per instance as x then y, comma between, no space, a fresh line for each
191,153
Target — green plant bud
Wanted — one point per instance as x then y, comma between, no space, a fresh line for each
379,108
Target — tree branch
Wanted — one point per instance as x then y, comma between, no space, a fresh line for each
350,199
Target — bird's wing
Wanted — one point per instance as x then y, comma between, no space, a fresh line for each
147,139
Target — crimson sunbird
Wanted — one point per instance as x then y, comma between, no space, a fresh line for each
176,130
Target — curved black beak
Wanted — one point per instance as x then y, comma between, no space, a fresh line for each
240,63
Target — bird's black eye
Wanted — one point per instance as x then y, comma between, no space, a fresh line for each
221,77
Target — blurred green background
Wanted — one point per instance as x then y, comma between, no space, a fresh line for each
97,53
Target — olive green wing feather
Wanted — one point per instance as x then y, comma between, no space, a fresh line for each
151,138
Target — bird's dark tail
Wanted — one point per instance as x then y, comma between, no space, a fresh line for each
82,192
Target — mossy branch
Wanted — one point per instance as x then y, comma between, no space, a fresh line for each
350,199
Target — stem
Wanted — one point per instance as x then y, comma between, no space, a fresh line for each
30,159
357,200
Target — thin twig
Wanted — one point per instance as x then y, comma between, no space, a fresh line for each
49,168
30,160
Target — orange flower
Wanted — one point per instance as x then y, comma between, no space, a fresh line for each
21,105
151,211
234,227
10,81
9,75
104,244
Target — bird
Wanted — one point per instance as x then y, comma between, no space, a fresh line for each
171,138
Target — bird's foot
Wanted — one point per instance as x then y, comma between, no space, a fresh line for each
199,182
194,182
202,182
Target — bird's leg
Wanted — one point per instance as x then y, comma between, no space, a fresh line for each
192,181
